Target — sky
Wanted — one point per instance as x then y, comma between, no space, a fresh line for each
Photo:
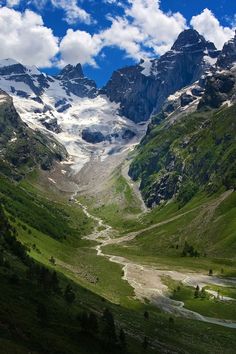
104,35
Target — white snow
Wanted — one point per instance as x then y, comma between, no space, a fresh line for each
209,60
8,62
147,66
98,114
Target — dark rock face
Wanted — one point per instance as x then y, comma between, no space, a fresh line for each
186,99
164,189
92,137
21,146
19,73
71,78
134,91
228,55
128,134
140,94
51,124
218,89
74,81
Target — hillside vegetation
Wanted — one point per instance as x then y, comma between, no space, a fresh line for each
196,153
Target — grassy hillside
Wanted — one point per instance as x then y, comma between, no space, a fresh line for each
196,153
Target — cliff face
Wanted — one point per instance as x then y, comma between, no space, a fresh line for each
190,144
142,89
20,147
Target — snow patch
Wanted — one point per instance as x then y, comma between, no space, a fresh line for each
209,60
147,66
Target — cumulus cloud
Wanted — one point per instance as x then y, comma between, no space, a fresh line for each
79,47
12,3
24,37
208,26
73,12
143,29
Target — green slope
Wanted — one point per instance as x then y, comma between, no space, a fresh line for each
196,153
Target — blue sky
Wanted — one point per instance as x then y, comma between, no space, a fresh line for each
105,34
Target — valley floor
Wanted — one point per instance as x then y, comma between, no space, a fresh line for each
116,262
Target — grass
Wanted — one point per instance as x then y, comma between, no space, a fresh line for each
81,264
201,225
109,291
207,305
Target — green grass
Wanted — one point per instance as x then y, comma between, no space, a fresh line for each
80,263
59,220
207,306
210,230
109,291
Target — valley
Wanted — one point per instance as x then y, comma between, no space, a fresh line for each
118,206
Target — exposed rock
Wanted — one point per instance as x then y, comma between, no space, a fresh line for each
186,99
218,89
227,57
51,124
92,137
142,92
74,81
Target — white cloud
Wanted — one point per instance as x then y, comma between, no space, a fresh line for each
145,25
12,3
73,13
24,37
208,26
125,36
79,47
142,30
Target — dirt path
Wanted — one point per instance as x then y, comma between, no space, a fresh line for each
147,281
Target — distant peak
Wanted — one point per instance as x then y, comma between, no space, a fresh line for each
8,62
72,71
190,37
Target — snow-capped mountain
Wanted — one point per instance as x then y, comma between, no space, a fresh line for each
90,121
143,88
69,107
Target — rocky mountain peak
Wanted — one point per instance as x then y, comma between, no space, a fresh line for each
227,57
141,90
74,82
189,40
71,72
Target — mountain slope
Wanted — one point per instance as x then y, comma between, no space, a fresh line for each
22,148
192,148
142,89
69,108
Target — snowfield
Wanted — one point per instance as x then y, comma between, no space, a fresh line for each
98,114
45,103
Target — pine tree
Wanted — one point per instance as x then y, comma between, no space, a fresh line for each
122,338
145,343
196,293
109,330
69,294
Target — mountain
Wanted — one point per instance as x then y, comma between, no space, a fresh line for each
142,89
74,81
68,107
85,266
21,148
189,146
227,56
